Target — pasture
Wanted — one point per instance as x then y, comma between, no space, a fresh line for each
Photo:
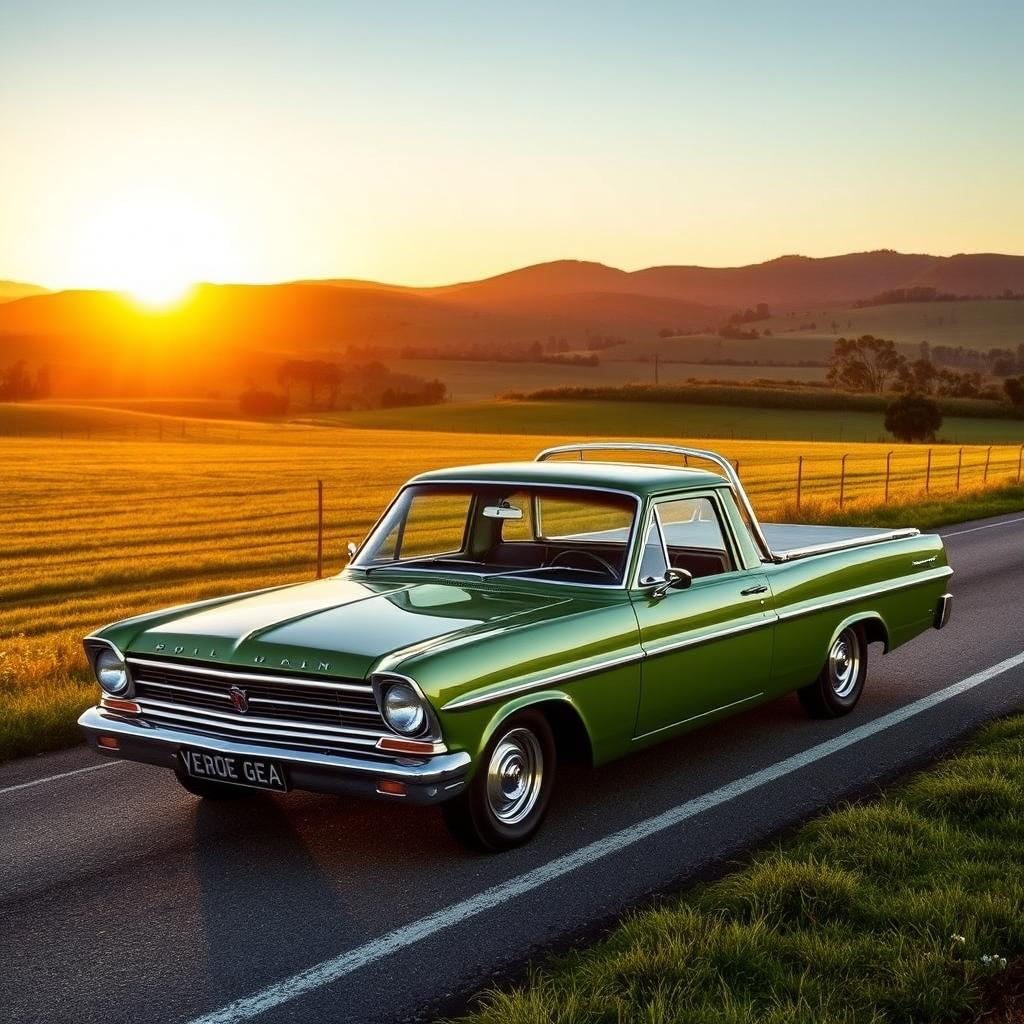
182,419
100,527
470,381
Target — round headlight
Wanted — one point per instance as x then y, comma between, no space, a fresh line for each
110,672
403,709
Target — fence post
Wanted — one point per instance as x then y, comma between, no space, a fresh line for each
888,468
988,457
1020,455
959,463
928,473
319,529
842,481
799,478
737,465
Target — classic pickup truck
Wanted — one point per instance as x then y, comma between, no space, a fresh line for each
499,618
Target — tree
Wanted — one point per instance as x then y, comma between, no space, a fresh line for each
918,376
913,418
1014,388
866,363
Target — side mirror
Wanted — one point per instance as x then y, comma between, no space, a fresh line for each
674,579
352,549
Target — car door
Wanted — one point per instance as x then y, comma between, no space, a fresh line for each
708,646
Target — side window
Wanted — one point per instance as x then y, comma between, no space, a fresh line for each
693,536
652,562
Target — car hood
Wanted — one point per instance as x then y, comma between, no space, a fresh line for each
338,626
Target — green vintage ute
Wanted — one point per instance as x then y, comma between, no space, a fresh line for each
500,618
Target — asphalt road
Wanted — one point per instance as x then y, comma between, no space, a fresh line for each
122,898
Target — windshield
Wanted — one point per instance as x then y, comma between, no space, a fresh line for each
570,535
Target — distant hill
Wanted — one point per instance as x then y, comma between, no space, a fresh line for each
784,283
10,290
103,340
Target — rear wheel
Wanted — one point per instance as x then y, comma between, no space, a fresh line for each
841,681
508,796
210,790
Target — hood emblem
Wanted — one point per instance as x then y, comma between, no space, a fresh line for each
239,700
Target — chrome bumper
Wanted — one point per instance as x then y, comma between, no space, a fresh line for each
426,780
943,610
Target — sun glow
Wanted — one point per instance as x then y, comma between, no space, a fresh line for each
153,246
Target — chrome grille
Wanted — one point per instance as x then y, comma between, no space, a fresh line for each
283,710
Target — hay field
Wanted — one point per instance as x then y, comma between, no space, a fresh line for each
97,529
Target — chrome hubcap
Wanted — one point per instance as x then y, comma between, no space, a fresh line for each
514,776
844,663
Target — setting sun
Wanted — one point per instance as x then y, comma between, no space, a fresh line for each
152,246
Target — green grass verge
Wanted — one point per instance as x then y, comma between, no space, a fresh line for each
855,919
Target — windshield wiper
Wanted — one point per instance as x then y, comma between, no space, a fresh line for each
413,563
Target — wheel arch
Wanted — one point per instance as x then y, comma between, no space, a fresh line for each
875,629
568,723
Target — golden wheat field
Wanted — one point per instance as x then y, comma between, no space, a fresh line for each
94,530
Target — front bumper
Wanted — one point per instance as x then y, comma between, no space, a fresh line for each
426,780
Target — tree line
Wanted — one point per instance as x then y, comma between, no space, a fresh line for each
19,384
329,386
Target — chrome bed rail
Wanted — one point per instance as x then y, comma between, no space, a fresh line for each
732,478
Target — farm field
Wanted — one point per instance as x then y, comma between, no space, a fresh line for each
640,419
98,529
575,418
470,381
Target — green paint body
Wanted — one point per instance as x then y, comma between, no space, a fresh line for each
636,669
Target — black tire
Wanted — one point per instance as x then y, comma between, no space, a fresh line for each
210,790
841,681
487,817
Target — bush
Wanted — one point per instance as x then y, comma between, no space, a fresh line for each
262,403
913,418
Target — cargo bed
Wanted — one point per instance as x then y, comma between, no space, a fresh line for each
795,540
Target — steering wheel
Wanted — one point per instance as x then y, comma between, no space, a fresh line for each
607,566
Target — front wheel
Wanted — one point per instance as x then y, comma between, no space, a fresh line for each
841,681
508,796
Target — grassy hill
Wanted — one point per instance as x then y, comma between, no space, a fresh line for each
222,336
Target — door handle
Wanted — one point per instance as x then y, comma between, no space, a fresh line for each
759,589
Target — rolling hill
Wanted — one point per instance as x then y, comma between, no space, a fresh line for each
11,290
224,334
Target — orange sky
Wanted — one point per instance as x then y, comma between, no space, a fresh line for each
227,142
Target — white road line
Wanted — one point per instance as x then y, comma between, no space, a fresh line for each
62,775
345,963
987,526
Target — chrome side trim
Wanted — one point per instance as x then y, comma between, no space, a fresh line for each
515,689
921,578
703,714
250,677
770,619
704,638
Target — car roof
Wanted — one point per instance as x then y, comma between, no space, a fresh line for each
634,478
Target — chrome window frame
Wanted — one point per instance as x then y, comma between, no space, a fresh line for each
631,541
713,495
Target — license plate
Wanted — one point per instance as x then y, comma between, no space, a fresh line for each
240,771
